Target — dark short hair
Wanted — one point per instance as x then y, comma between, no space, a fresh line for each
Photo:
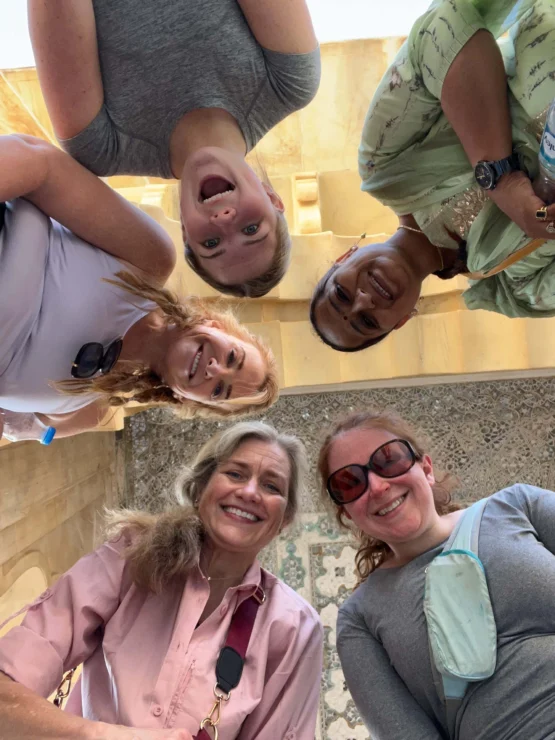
259,286
318,291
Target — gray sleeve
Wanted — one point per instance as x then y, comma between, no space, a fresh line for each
539,505
295,78
106,150
386,706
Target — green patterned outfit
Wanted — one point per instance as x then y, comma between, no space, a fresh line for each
411,160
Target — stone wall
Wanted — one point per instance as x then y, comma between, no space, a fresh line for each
490,434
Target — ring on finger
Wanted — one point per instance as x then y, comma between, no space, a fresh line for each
541,213
550,228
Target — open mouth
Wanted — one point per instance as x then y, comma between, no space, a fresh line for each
214,188
380,286
241,514
195,363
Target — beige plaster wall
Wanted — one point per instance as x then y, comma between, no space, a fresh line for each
51,499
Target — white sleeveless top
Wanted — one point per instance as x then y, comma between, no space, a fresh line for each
52,301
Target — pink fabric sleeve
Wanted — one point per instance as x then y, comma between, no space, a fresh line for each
291,695
62,627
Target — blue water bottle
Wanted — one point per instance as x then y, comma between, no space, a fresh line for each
20,427
544,184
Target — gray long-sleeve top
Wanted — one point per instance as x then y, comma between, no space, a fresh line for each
383,644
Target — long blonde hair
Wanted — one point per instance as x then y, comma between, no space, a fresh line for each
162,548
131,381
371,552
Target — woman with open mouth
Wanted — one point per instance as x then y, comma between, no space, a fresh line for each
175,622
184,89
86,321
450,143
383,487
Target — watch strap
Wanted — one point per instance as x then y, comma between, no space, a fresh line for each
503,166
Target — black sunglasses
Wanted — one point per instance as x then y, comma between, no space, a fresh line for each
391,459
92,359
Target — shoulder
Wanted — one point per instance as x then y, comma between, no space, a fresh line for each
289,599
289,612
294,77
519,496
99,572
352,608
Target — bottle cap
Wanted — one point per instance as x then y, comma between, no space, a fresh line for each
48,436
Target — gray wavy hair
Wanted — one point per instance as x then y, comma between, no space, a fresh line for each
162,548
193,480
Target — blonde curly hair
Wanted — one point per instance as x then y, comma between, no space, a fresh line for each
132,381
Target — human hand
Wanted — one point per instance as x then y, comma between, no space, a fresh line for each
118,732
515,196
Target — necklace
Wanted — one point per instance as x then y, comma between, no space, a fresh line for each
419,231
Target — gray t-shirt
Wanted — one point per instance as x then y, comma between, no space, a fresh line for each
383,644
160,60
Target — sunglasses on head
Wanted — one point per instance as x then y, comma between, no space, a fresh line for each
92,359
390,460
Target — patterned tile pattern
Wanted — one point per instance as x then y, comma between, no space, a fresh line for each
490,434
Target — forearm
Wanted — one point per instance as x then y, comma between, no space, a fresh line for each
27,716
23,165
474,99
83,420
85,205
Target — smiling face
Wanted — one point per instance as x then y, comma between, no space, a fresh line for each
229,216
369,293
210,366
243,505
394,510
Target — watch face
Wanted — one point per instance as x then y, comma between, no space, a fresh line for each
484,175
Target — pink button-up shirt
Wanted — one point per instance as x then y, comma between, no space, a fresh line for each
146,664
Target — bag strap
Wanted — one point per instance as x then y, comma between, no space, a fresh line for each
229,666
520,254
465,536
231,660
467,531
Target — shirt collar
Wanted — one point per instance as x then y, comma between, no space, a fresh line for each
252,579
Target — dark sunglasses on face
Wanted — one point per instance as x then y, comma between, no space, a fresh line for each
92,359
390,460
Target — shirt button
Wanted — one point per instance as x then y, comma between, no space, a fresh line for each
157,710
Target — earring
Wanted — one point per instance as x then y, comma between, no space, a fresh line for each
346,255
414,312
351,251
